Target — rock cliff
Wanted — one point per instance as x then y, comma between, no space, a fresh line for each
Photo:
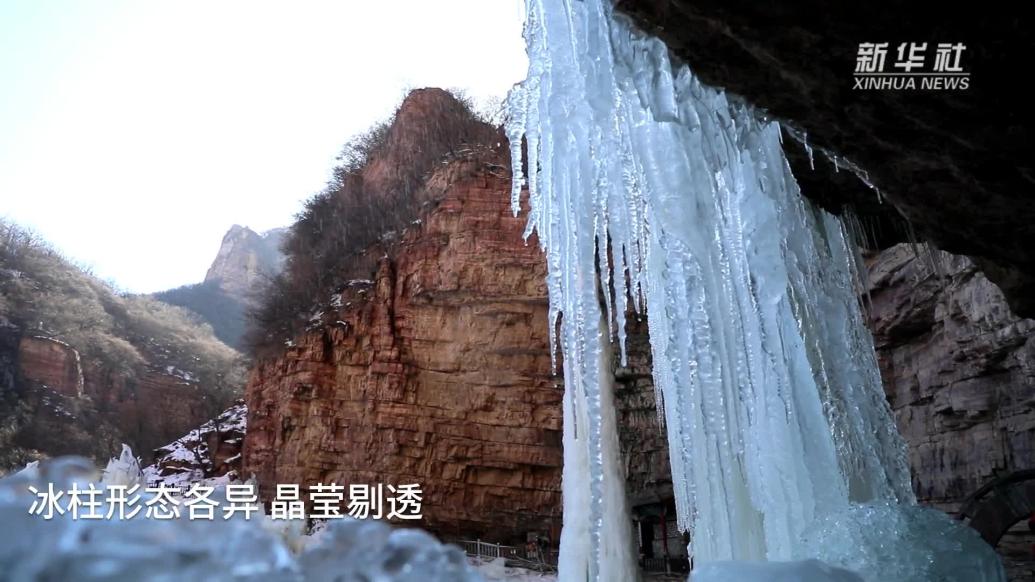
436,371
53,363
244,258
84,369
958,369
67,406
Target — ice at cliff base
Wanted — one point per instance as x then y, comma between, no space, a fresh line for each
768,385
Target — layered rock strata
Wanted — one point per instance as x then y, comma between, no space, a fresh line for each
436,371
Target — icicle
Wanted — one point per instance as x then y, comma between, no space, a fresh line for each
516,111
808,148
839,162
766,377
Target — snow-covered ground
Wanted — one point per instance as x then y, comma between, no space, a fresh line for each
140,549
188,459
495,569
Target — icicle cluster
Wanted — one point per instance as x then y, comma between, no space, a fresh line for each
650,191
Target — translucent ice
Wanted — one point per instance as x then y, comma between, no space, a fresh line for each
650,190
370,550
125,470
577,555
870,539
140,549
804,571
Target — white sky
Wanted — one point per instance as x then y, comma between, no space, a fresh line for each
134,133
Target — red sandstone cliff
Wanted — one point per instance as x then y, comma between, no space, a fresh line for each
435,372
84,369
52,363
74,406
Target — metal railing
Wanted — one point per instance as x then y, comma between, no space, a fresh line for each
655,565
517,555
487,550
670,565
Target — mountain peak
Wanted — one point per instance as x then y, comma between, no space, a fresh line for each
244,258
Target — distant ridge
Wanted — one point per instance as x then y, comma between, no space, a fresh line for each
245,261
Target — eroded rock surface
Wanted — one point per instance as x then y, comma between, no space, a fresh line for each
51,363
436,371
958,369
244,259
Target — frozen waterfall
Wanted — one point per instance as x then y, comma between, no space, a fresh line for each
651,191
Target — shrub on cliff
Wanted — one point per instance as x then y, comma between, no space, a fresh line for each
374,191
47,294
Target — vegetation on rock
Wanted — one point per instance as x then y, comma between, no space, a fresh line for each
373,193
119,342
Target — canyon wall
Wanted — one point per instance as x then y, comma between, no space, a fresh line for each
435,371
69,406
958,369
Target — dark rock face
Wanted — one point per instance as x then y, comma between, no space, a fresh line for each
958,369
956,164
10,339
641,433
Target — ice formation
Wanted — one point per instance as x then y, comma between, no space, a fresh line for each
804,571
651,191
612,535
125,470
141,549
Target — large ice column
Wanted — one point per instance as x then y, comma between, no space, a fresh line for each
613,555
668,193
